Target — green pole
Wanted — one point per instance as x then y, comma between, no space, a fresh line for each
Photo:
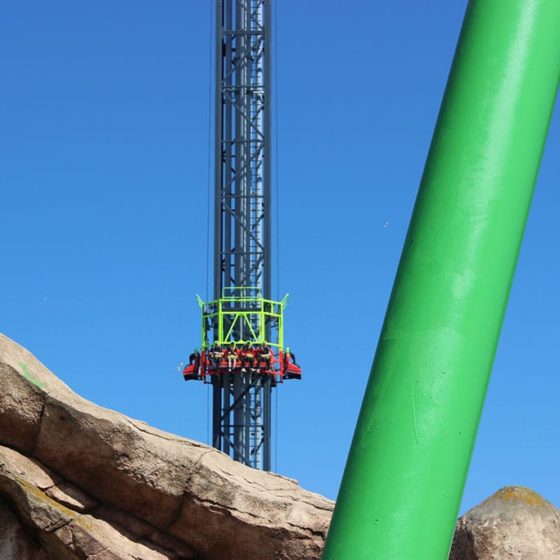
407,466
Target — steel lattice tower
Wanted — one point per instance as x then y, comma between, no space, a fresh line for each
242,403
242,325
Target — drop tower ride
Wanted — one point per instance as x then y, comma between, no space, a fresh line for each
242,348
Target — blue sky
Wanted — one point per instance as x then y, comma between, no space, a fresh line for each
104,135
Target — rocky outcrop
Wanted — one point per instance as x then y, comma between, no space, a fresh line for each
513,524
78,481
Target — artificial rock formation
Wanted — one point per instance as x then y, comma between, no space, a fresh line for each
513,524
78,481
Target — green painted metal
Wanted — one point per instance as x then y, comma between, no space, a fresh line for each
262,319
409,458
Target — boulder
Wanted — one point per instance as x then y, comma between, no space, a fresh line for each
81,481
515,523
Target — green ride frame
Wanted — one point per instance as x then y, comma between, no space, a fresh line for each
261,320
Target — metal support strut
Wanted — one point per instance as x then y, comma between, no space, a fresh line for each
408,462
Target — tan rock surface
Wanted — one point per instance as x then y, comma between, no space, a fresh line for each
82,481
515,523
78,481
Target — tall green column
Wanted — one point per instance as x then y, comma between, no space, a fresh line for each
409,458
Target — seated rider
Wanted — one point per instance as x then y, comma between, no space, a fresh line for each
248,359
265,355
289,358
194,359
243,355
231,355
215,354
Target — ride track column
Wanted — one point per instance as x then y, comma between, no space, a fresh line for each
407,466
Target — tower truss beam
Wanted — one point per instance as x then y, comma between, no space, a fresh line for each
241,419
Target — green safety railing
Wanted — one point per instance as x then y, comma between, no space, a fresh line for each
243,316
